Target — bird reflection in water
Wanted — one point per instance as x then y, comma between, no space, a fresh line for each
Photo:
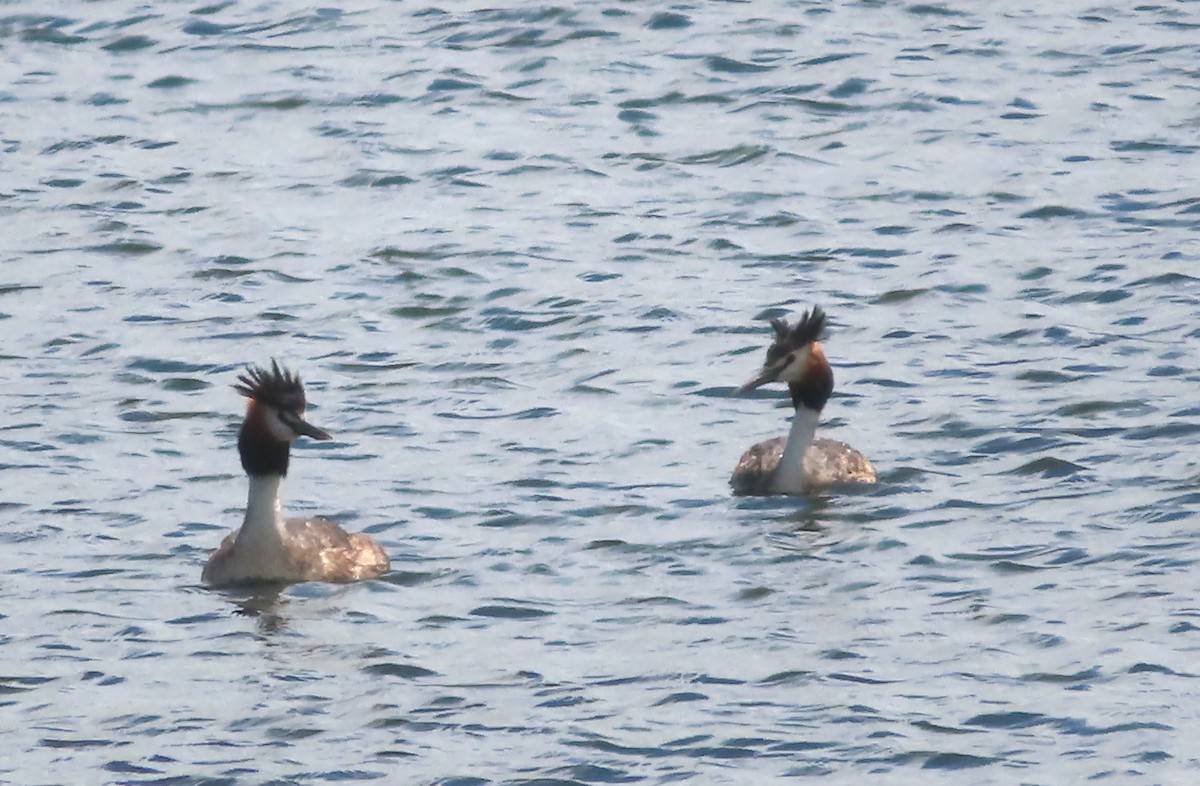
265,605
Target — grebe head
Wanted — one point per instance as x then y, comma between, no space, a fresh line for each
790,355
795,357
274,418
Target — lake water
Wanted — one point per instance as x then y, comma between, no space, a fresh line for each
523,258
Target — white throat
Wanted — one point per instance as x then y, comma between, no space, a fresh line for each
262,530
789,477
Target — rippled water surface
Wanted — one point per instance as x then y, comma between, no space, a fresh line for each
523,258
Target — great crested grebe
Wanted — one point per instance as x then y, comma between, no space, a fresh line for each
798,463
269,547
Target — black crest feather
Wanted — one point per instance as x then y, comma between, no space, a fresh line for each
277,387
807,329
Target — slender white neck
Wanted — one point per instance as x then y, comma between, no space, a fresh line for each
263,525
789,474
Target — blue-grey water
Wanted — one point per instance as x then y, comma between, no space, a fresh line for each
523,258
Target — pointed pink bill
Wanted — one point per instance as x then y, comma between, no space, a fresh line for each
766,376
